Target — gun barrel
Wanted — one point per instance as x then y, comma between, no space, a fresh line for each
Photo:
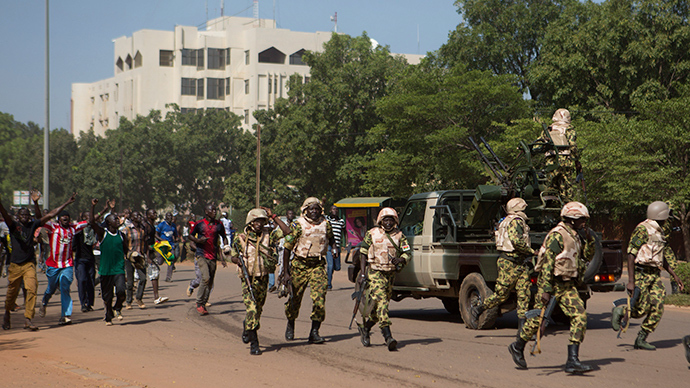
491,150
487,162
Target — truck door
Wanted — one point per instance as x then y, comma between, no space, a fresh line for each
412,225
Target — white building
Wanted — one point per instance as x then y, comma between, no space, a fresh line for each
237,64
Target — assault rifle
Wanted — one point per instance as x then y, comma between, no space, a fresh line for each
247,279
544,316
629,302
358,295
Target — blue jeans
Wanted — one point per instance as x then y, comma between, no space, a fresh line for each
332,264
271,280
62,278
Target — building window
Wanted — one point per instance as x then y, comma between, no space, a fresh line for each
271,55
120,64
216,88
189,57
306,79
246,116
166,58
296,58
227,86
246,57
189,86
200,58
128,61
275,85
187,110
138,60
216,58
200,89
246,86
269,85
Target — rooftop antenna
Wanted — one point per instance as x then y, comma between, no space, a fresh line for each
222,7
256,9
334,19
417,38
206,2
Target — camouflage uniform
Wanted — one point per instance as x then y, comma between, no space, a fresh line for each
258,276
566,291
560,163
648,279
307,271
513,271
380,284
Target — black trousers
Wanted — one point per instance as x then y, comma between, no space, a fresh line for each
112,285
129,270
85,272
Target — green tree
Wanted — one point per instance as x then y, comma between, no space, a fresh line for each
613,54
502,36
428,116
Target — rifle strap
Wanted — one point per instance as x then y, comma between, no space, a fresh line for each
398,251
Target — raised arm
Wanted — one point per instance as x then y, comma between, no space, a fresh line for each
285,228
35,196
92,220
56,211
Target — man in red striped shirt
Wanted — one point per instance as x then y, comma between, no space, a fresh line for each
60,265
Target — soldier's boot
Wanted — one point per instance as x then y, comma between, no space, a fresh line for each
517,350
674,287
388,337
254,349
365,332
616,317
573,365
521,323
686,345
245,334
641,341
290,330
314,337
476,312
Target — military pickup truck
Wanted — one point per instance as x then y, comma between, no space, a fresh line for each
455,257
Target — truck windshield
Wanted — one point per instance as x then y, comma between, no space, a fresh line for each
412,223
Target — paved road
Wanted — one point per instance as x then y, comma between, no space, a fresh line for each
170,345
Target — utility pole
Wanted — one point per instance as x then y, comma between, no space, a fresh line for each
258,162
119,202
46,136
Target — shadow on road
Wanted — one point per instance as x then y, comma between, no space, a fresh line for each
426,315
144,321
17,344
421,341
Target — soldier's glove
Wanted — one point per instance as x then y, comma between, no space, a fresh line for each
397,260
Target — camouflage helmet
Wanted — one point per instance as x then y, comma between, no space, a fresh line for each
516,205
658,211
385,212
561,115
574,210
310,201
255,214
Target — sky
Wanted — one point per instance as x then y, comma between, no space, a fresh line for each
82,31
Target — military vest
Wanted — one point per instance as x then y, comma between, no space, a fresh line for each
503,242
255,263
314,239
382,249
560,139
652,252
566,262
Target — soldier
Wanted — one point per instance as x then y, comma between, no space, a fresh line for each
561,266
256,248
309,238
647,254
513,241
386,250
562,164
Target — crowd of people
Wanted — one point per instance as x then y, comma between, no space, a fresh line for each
120,251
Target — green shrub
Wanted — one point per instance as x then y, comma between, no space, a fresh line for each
678,299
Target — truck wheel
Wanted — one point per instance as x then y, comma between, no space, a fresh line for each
452,305
473,289
594,265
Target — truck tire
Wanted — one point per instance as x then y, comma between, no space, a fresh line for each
452,305
474,287
594,265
